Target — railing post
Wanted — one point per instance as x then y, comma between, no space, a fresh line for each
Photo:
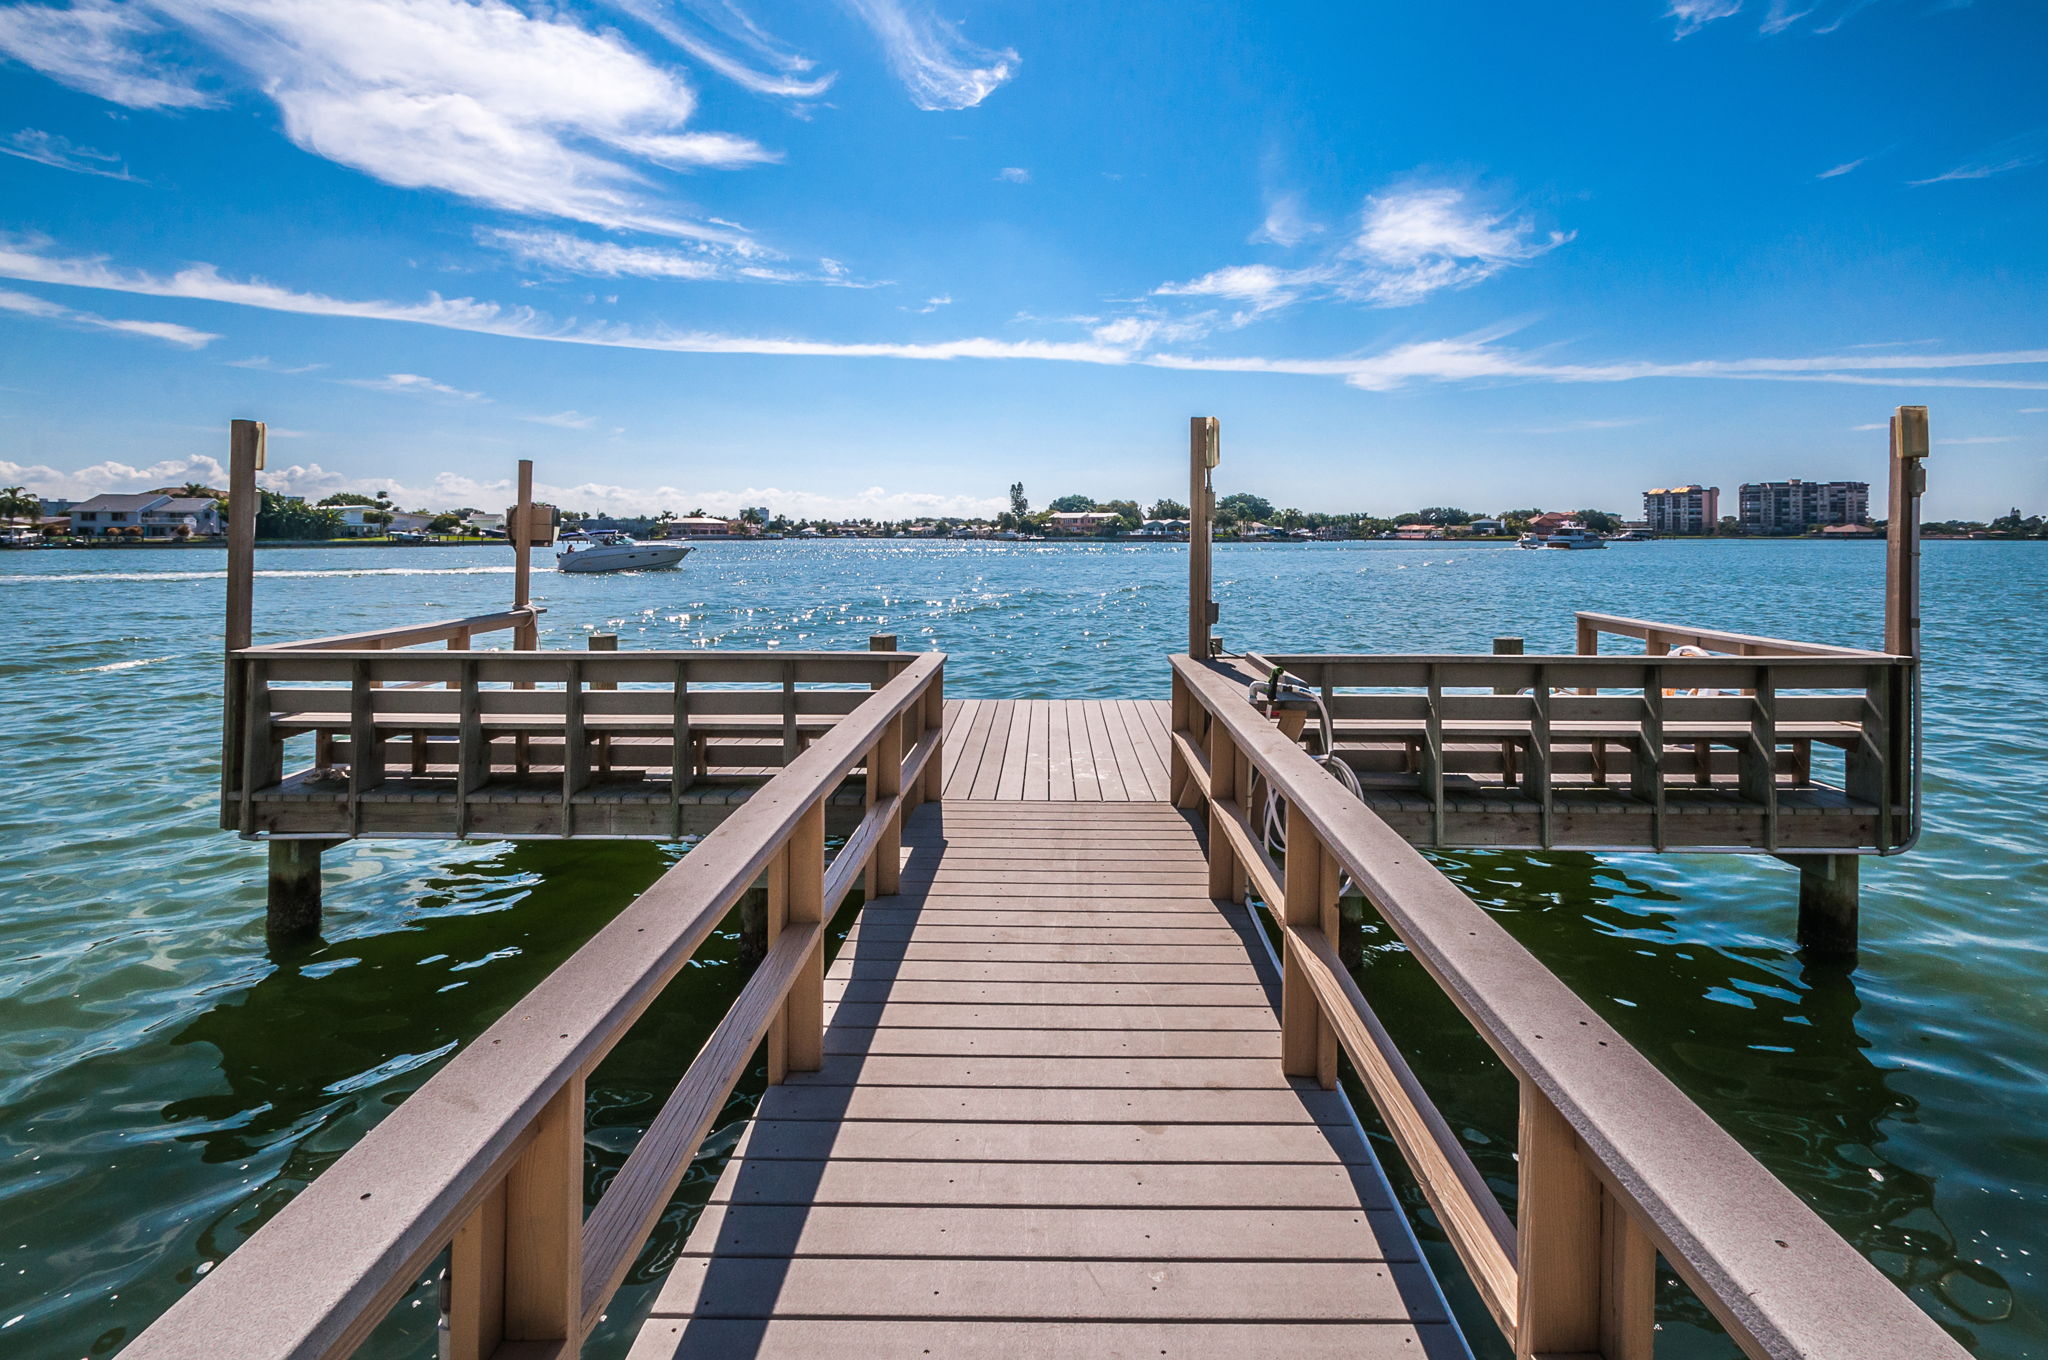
935,721
885,764
796,896
1308,1043
543,1228
1587,1271
1176,764
1226,875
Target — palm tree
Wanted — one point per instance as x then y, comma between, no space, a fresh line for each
16,503
195,489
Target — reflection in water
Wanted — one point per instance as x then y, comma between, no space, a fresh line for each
1769,1045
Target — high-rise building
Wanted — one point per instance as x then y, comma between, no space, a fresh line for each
1794,507
1682,509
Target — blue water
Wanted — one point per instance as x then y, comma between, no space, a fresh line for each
166,1082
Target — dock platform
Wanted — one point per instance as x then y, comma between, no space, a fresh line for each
1050,1120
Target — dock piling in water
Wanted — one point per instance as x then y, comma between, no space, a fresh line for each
293,910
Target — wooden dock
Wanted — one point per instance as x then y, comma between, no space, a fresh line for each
1071,1086
1050,1120
1054,750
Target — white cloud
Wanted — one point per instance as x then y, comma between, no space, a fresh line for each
1844,168
2033,410
694,261
1409,244
564,420
1285,224
1873,425
1462,359
412,384
531,114
1581,426
42,309
784,70
1980,439
46,148
2015,153
931,304
1014,174
939,67
98,47
264,363
1693,15
86,482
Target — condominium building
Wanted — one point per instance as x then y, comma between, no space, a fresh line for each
1794,507
1682,509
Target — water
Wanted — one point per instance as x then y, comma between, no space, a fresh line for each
166,1083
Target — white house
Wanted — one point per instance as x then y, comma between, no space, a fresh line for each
356,521
147,514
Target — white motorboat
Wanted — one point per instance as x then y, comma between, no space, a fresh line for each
1573,535
613,551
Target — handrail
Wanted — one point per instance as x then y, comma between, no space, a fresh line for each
487,1156
1668,635
1615,1161
413,635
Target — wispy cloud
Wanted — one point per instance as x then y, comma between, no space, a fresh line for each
938,66
47,148
264,363
528,113
1409,244
700,261
100,47
931,304
42,309
1014,174
775,69
1693,15
1580,426
1285,223
412,384
564,420
1477,357
1980,439
2023,152
1844,168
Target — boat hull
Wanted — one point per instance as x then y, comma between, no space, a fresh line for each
639,557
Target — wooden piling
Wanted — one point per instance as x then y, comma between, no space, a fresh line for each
1902,532
1829,899
526,637
294,900
1204,452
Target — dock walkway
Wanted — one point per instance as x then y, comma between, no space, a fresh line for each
1051,1120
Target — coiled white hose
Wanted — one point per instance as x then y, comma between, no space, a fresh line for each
1272,822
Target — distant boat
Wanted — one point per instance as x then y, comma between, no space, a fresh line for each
1633,536
614,551
1568,535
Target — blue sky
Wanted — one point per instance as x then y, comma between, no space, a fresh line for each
876,256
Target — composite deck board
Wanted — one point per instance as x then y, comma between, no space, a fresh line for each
1050,1118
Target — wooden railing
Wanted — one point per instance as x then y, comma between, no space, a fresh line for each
486,1159
1654,726
1615,1165
456,717
1660,638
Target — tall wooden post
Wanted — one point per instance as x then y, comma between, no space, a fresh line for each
525,637
1902,532
246,440
1205,444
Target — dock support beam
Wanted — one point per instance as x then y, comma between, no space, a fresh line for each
1828,900
294,906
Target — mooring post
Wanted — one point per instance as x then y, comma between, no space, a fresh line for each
754,923
1828,902
1205,444
526,636
294,902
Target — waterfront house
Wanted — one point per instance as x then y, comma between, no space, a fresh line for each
1164,528
1418,531
1485,526
703,526
482,523
1079,521
357,521
147,515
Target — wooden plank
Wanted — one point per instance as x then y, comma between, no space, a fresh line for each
892,1231
1296,1291
1088,787
874,953
1061,991
1108,761
1049,1184
988,778
1085,1105
1059,754
965,753
1037,785
1017,1042
919,1339
1248,1074
1246,1145
1250,1017
1016,753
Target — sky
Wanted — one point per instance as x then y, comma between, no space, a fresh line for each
885,257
